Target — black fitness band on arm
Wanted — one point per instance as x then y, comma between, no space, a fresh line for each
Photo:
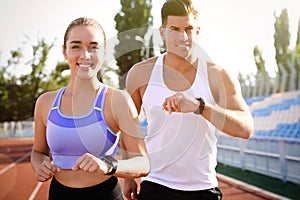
201,106
111,163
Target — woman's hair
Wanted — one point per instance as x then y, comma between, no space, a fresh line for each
177,8
82,21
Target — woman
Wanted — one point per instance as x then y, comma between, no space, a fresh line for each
77,128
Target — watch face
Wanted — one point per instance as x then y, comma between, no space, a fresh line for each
112,162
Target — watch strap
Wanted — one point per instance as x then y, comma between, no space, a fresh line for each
200,109
111,162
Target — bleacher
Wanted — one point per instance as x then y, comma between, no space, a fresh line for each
274,149
277,115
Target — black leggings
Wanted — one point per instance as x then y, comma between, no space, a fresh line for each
108,190
154,191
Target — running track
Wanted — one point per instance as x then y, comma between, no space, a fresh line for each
17,181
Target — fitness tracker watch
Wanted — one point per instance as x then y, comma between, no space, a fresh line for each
111,163
201,106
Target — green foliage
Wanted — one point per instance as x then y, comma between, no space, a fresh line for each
57,79
18,93
288,60
131,23
282,36
281,44
261,75
259,61
297,58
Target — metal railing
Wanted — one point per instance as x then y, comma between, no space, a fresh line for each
272,156
16,129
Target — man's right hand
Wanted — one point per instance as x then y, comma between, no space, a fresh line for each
130,189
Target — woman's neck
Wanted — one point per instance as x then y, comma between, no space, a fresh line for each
83,86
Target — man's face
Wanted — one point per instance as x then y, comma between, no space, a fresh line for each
179,33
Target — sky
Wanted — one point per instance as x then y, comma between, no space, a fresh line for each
229,29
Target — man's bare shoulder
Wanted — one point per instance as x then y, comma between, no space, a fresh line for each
216,71
144,66
213,67
227,81
139,75
141,71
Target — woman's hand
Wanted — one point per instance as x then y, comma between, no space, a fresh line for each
90,163
45,171
180,103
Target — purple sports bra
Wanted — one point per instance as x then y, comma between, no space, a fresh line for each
70,137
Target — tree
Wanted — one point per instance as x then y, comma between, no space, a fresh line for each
57,79
288,61
281,43
261,74
19,92
131,23
297,58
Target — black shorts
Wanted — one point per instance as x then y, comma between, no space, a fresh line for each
154,191
108,190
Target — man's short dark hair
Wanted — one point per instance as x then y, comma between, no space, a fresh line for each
177,8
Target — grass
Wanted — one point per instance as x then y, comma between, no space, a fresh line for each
274,185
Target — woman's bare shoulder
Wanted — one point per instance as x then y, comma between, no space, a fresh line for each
47,96
45,101
43,105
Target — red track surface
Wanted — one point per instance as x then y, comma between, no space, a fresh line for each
17,181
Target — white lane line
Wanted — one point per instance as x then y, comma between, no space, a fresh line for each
35,191
273,195
14,163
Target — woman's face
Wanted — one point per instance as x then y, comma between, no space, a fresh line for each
84,51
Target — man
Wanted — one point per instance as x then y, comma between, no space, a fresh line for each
187,101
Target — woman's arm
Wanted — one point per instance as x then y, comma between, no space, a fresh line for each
40,159
136,162
121,115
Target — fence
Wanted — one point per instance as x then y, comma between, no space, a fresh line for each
272,156
16,129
